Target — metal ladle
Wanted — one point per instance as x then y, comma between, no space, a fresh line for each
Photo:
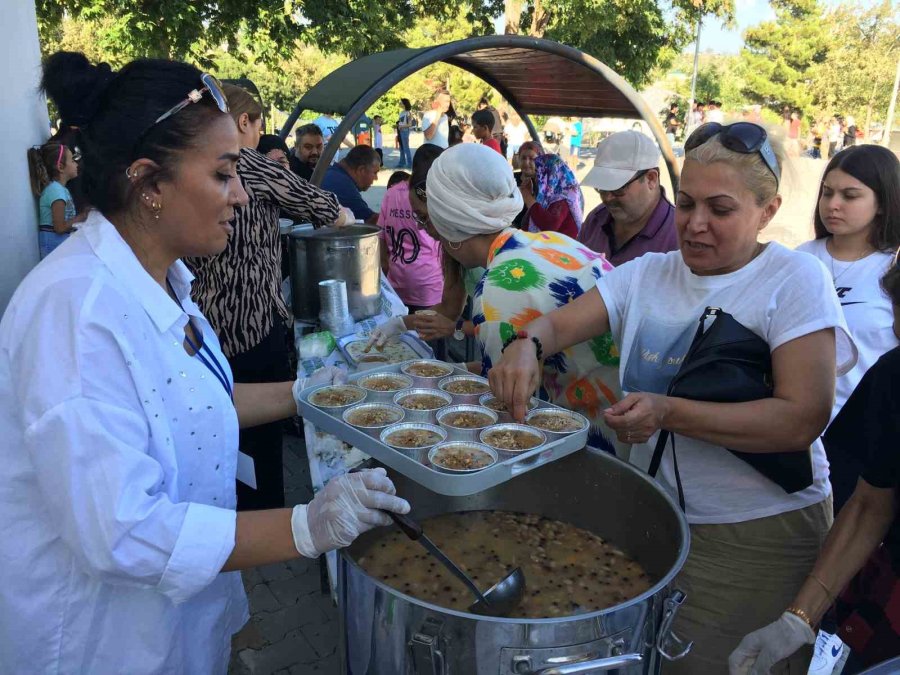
499,599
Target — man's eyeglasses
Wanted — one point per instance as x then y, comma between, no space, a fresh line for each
743,137
420,221
896,257
620,192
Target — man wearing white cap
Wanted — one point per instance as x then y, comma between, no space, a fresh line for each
635,217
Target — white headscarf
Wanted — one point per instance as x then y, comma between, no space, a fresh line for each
471,190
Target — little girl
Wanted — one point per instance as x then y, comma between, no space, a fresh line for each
51,166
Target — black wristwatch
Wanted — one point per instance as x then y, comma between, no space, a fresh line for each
458,334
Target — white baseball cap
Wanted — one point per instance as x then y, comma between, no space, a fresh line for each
619,157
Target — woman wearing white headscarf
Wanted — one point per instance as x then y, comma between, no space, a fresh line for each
470,201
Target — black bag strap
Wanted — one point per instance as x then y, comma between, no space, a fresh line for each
664,435
657,460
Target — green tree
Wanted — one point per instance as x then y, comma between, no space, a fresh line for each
779,57
194,29
858,73
630,36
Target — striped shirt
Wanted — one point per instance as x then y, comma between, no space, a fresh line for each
239,288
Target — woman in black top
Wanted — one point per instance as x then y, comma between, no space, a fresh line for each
239,290
858,571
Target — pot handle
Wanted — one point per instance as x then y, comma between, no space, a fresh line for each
593,666
666,636
336,249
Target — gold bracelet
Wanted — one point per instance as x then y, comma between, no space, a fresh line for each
796,611
824,587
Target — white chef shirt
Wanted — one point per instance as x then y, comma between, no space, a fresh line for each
119,456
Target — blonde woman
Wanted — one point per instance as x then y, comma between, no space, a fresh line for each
752,542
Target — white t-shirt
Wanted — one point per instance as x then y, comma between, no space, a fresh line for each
867,310
441,133
655,303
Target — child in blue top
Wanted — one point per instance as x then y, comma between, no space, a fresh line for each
51,166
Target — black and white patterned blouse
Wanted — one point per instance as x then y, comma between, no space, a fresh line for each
239,288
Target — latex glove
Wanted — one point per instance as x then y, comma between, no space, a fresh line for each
348,506
345,218
389,331
763,648
326,375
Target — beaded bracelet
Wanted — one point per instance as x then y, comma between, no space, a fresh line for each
523,335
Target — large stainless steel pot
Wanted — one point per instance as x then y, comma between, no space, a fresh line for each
349,253
388,633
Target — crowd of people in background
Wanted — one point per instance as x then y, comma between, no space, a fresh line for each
494,220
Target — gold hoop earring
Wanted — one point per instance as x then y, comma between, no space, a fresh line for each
454,248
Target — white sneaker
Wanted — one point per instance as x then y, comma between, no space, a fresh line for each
827,653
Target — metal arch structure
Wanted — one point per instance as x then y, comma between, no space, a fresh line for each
535,76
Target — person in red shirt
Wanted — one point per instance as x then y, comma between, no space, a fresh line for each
558,204
482,128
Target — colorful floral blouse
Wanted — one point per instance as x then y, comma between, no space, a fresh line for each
532,273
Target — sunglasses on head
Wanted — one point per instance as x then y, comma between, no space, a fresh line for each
745,138
211,86
419,190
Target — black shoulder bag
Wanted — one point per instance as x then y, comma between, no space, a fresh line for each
728,363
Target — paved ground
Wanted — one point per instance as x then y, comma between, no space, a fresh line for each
293,629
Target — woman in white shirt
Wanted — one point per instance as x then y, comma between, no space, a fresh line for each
857,225
752,543
118,410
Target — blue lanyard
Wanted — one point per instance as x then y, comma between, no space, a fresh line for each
214,367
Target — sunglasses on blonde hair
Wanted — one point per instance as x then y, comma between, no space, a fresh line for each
745,138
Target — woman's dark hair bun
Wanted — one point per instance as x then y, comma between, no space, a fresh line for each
76,85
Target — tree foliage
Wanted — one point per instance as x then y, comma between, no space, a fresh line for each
779,56
194,30
857,75
630,36
836,62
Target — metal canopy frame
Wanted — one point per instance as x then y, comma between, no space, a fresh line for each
535,76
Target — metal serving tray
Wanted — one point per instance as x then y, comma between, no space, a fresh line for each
421,471
410,341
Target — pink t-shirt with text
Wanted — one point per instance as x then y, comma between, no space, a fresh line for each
414,258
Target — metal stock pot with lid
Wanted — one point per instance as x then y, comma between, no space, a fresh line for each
386,632
347,253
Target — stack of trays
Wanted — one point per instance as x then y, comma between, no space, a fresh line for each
440,426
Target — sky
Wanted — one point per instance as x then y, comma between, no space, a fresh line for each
749,13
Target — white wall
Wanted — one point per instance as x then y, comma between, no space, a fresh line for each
23,123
